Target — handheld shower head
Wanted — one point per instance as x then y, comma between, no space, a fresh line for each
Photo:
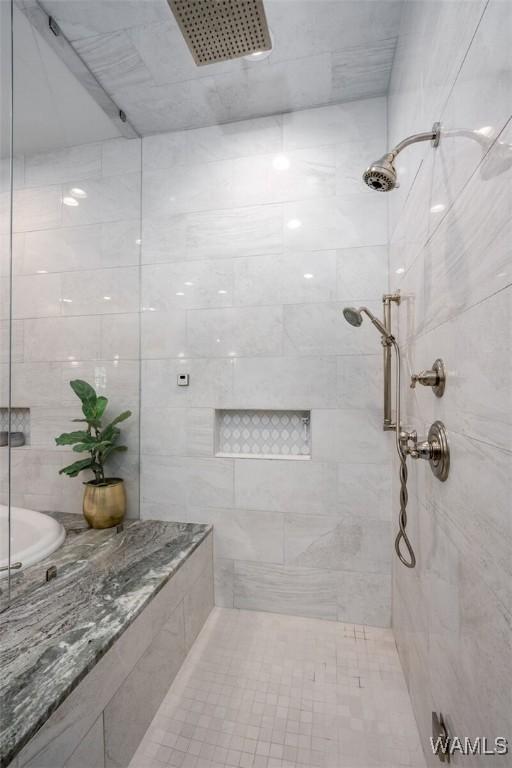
381,175
355,317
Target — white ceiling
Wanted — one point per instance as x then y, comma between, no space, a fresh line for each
325,51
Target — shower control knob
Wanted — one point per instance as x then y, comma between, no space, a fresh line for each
434,449
435,378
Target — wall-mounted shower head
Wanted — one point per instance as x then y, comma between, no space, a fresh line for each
381,174
355,317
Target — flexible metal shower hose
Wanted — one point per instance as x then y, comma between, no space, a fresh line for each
402,518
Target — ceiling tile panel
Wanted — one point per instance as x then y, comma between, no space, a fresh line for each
324,52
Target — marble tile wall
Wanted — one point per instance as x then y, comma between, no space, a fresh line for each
75,305
255,235
450,256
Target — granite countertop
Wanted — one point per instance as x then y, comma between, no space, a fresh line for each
54,632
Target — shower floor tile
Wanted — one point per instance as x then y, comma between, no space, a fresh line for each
262,690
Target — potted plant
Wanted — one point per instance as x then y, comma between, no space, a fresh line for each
104,497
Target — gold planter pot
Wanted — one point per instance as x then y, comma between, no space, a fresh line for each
104,505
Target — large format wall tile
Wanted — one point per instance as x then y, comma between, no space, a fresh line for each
450,256
217,142
344,221
247,231
280,589
304,382
76,307
93,246
352,543
187,482
247,332
255,235
108,199
62,165
289,278
188,285
285,486
62,338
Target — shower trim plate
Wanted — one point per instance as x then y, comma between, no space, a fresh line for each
440,459
434,449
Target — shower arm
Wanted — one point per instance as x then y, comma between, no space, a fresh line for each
433,136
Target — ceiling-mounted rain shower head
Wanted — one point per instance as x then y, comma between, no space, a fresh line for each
217,30
381,175
355,317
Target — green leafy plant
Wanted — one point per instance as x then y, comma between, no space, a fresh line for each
98,441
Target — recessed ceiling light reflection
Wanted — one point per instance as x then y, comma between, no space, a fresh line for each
294,224
261,55
77,192
179,293
70,201
487,130
231,354
67,301
438,208
188,283
138,241
308,275
42,272
222,291
400,271
149,309
107,298
281,162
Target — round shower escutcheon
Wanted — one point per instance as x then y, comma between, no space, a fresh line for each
440,461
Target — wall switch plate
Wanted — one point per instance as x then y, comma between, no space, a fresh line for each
183,380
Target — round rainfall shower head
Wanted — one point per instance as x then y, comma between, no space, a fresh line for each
353,316
381,175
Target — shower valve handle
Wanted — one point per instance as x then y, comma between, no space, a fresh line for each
416,449
433,449
427,378
435,377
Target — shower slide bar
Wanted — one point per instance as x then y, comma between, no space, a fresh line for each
387,300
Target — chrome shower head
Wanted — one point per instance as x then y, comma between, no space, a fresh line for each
381,174
355,317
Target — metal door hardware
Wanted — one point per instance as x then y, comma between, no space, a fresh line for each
434,449
435,378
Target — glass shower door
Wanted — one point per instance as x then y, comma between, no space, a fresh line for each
6,172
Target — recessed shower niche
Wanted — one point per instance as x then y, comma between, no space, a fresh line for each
19,426
260,434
